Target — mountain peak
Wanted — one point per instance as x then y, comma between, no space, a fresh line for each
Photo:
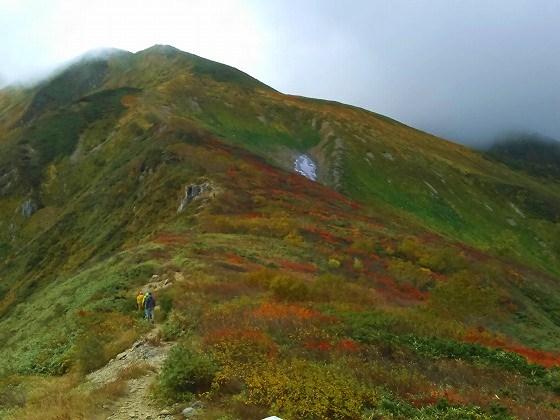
201,66
165,49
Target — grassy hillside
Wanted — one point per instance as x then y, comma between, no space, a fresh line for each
415,279
533,153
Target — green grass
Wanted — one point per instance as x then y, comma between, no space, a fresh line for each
40,334
67,87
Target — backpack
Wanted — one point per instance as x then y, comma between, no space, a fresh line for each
149,302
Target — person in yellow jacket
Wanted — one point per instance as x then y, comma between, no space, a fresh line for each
140,300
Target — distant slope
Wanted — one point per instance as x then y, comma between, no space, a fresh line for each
532,153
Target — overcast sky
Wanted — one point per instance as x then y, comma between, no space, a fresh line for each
465,70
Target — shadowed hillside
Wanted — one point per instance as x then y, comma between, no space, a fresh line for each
535,154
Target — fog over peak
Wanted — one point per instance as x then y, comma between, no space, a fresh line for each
467,71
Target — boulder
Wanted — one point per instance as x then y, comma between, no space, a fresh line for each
189,412
197,404
28,207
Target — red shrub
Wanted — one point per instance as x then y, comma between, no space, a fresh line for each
324,235
235,259
170,239
295,266
539,357
390,288
318,345
348,345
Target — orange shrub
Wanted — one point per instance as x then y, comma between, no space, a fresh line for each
486,338
321,346
241,345
295,266
348,345
296,323
275,311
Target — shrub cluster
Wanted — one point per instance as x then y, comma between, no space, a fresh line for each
185,372
440,259
308,390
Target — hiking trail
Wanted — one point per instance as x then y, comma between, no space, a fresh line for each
138,366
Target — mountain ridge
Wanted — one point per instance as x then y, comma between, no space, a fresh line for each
407,258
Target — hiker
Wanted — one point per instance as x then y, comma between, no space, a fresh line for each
140,300
149,304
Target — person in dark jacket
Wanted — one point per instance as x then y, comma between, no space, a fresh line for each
149,304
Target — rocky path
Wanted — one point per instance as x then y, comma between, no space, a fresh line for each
136,404
138,366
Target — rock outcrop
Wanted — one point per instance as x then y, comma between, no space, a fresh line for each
193,192
28,208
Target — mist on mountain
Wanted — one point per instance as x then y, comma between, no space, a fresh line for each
532,152
464,72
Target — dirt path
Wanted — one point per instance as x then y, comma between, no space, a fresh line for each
136,404
138,366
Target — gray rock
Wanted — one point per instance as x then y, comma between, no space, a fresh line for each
122,355
197,404
192,192
189,412
28,207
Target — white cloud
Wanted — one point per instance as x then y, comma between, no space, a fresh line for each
461,69
42,34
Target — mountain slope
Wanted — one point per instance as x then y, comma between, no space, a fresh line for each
411,258
536,154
